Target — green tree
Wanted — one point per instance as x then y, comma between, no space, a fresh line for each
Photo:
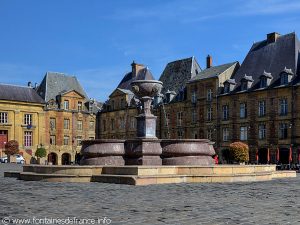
41,152
239,151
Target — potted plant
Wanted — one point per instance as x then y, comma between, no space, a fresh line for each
41,154
239,152
11,148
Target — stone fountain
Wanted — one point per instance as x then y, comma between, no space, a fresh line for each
146,159
146,148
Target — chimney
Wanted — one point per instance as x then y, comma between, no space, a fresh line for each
208,61
136,68
272,37
29,84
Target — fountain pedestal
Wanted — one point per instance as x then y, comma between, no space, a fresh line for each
146,148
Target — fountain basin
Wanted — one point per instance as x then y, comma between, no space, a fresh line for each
187,152
103,152
149,88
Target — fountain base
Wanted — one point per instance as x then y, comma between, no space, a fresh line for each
143,151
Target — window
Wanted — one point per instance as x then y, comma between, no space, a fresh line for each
179,118
243,110
52,123
79,106
79,125
209,134
194,96
194,116
263,82
92,125
225,134
209,114
122,123
225,112
52,140
28,119
284,79
167,119
132,122
78,140
28,138
66,140
103,125
209,95
112,123
283,106
262,108
244,85
122,103
3,117
226,88
66,124
262,131
243,133
112,105
180,134
66,104
283,131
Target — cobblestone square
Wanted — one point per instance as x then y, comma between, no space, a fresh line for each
273,202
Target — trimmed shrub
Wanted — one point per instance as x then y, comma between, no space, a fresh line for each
239,151
11,148
41,152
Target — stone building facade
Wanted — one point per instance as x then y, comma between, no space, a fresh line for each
22,118
70,116
255,102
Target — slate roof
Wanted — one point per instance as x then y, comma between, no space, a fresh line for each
19,93
143,74
54,84
177,73
214,71
270,58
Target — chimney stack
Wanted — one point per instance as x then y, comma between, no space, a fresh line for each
272,37
136,68
208,61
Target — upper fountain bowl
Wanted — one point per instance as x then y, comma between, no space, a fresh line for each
146,88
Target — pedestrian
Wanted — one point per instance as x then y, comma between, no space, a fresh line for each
216,159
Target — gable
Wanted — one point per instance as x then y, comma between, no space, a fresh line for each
72,94
117,93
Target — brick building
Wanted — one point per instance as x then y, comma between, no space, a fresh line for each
255,102
70,116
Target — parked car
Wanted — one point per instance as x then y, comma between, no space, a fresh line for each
3,159
19,159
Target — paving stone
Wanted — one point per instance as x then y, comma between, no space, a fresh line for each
271,202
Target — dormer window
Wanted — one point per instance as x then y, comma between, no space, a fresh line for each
244,85
265,79
286,76
263,82
226,88
66,104
229,85
246,82
284,79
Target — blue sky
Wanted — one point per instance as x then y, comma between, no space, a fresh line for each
98,40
